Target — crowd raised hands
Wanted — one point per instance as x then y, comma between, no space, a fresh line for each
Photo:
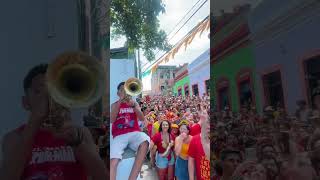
176,126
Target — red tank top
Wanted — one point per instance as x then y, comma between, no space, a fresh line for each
126,121
51,159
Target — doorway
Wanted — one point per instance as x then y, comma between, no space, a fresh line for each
273,90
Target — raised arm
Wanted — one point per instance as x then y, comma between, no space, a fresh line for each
138,111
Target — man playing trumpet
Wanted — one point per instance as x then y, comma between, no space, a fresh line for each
38,151
126,132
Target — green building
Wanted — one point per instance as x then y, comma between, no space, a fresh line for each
182,82
232,63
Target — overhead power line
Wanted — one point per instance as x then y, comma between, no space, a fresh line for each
176,33
189,19
175,44
185,15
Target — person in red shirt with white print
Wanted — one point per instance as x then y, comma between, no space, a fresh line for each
126,132
38,151
199,151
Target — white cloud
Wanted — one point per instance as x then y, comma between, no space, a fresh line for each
117,43
175,10
195,49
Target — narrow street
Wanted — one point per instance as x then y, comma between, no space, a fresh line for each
147,173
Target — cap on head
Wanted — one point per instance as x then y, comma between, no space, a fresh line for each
36,70
120,84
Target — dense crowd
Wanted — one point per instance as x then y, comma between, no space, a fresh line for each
246,145
272,146
179,131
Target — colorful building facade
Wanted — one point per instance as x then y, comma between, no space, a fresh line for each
162,80
286,49
199,74
182,81
232,62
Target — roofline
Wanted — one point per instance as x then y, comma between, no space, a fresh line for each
121,49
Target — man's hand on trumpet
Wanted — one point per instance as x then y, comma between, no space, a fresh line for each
129,101
57,115
132,103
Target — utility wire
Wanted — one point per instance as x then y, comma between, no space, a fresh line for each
176,44
183,17
190,18
177,32
177,26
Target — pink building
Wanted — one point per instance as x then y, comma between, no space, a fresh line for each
162,80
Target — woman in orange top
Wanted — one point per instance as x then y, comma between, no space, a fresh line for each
181,150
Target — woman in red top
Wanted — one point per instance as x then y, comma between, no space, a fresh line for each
164,158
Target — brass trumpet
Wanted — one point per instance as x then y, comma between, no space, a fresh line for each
133,86
76,80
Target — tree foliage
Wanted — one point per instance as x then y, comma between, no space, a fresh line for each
138,21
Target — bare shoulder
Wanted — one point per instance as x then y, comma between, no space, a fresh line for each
115,103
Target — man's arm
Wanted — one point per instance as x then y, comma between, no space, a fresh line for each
191,168
152,130
88,157
139,113
16,148
114,111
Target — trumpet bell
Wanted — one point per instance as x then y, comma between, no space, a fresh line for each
76,80
133,86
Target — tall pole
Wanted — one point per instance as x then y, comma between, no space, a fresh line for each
139,65
139,68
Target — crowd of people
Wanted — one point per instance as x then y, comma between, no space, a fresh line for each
179,130
270,145
175,133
